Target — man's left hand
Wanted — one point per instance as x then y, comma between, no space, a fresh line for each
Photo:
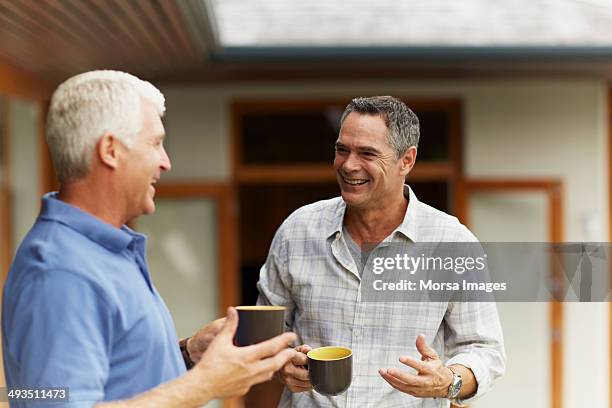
198,343
432,379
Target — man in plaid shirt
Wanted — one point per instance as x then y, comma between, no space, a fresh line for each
405,354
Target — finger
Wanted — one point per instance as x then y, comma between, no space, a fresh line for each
296,372
272,347
299,389
218,323
299,359
211,329
230,325
424,349
304,348
420,366
398,385
406,378
394,382
295,383
274,363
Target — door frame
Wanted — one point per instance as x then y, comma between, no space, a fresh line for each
6,241
553,189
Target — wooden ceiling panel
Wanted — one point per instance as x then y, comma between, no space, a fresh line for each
175,23
59,38
107,40
157,26
42,34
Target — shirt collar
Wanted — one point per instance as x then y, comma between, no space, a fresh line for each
113,238
409,226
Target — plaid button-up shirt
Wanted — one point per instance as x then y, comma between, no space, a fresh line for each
310,270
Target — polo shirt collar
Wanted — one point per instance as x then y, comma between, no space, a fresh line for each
108,236
409,226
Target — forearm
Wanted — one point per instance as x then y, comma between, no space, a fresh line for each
470,386
184,392
477,344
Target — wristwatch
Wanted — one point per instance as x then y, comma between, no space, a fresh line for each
455,387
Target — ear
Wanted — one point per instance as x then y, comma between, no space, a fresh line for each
407,160
108,150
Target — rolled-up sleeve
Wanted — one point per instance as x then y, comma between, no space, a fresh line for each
274,280
474,339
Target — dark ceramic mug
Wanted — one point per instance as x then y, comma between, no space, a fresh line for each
259,323
330,369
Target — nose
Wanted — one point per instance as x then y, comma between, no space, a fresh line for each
351,163
165,164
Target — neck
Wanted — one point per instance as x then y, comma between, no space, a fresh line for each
95,198
372,225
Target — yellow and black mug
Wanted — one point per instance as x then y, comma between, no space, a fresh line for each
330,369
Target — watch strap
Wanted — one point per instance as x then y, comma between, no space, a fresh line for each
183,347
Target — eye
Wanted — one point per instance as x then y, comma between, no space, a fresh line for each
340,149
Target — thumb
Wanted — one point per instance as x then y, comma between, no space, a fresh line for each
231,323
423,348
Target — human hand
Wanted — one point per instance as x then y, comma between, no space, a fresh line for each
432,379
293,374
227,371
199,342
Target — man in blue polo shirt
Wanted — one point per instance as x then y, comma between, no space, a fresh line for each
79,308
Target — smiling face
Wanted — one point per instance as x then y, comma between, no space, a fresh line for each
144,162
368,172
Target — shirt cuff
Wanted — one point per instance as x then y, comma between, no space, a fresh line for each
483,379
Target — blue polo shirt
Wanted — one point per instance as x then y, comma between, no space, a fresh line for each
80,311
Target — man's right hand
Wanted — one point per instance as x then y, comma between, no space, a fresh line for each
229,371
224,371
294,374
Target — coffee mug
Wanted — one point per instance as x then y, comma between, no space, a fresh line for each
330,369
259,323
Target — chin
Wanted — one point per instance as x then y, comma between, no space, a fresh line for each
352,199
149,208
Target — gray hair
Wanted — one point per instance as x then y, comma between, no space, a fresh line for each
402,123
87,106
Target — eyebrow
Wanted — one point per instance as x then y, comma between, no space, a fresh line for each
362,149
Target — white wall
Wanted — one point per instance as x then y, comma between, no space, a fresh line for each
24,162
526,128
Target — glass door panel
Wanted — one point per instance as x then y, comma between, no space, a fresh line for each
182,253
497,216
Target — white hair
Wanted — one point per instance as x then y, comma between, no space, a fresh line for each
89,105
